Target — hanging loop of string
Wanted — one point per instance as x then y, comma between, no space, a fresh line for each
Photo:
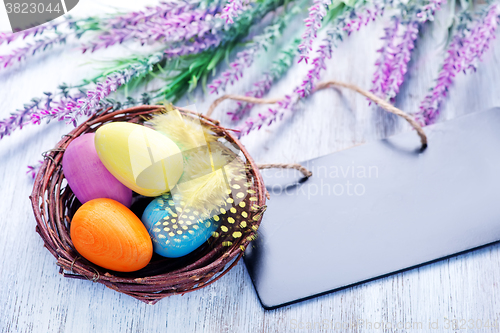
320,86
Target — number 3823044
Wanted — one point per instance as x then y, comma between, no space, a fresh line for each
31,8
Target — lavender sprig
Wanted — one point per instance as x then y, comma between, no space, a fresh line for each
383,64
30,49
179,24
75,28
347,23
15,121
467,46
33,169
261,87
69,103
401,59
232,9
313,22
145,99
198,45
427,12
112,82
163,9
48,107
8,37
196,23
56,107
222,37
395,55
350,22
53,26
245,58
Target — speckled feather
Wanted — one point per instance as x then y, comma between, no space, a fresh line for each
238,217
179,224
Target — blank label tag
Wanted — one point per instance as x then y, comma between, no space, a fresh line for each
378,208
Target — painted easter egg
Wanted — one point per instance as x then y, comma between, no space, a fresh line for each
108,234
87,177
173,235
142,159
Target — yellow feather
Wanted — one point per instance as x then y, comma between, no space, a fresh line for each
186,132
204,184
208,167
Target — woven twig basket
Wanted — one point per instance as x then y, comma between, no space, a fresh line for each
54,205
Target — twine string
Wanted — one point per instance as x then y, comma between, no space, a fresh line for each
248,99
295,166
380,102
322,85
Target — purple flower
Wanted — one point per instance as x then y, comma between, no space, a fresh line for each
313,22
357,20
163,9
402,58
233,9
30,49
385,62
112,82
174,26
49,107
199,44
395,55
56,108
16,120
346,24
393,62
69,105
426,13
33,169
243,60
261,87
185,26
467,46
7,37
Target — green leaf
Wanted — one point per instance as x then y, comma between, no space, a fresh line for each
226,57
204,79
193,83
350,3
214,61
161,69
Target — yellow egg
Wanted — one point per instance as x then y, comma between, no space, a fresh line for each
142,159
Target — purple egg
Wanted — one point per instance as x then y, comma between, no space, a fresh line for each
87,177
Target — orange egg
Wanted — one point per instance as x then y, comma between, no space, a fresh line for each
108,234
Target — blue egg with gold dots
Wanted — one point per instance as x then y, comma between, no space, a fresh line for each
175,229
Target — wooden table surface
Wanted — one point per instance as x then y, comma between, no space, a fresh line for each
35,298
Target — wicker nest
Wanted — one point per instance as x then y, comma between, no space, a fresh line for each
54,205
